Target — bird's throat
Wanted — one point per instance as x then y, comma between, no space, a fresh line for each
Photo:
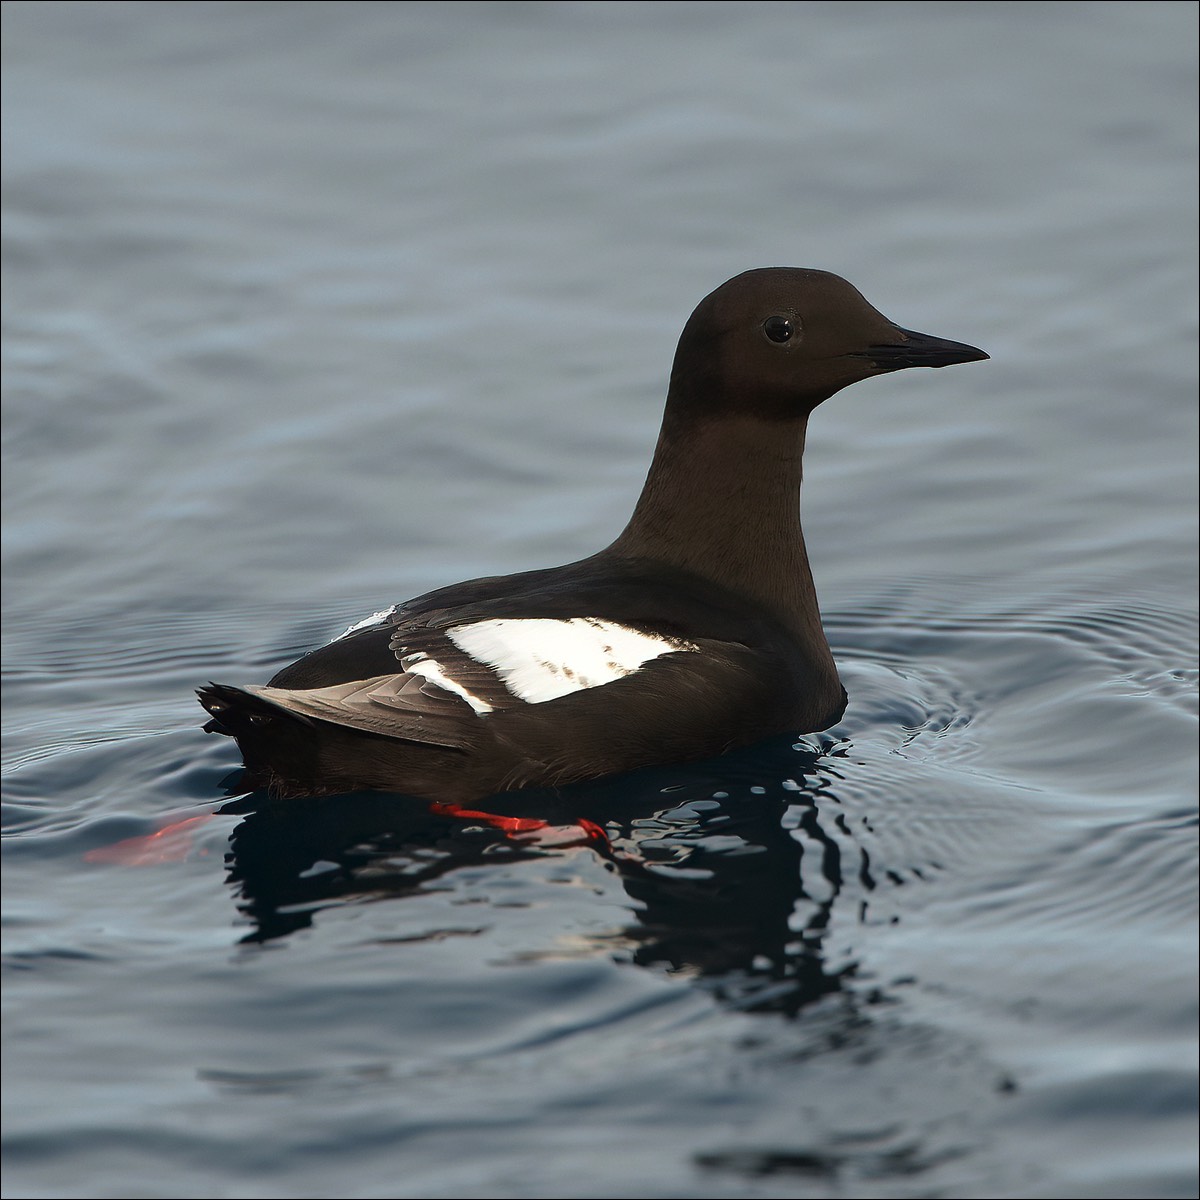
722,500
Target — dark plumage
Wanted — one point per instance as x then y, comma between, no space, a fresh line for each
697,630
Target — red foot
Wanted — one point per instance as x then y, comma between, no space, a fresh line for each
172,843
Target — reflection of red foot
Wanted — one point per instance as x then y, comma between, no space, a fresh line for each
595,835
529,831
602,844
172,843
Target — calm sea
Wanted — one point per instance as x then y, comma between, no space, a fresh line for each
309,308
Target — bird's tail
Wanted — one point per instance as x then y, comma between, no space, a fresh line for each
276,745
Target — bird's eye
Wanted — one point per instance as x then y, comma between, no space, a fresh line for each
778,329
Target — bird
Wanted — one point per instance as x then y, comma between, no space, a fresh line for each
695,632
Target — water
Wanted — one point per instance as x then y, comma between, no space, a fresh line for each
312,308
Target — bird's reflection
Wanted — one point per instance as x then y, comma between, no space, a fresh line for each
732,870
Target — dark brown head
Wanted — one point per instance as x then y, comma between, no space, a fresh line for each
775,342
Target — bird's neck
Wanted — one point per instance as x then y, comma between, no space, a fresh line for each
722,500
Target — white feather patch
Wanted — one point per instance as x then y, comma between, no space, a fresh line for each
374,619
541,658
428,668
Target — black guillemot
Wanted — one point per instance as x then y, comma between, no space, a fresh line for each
695,632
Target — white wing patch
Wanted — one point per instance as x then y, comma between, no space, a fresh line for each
541,658
428,668
374,619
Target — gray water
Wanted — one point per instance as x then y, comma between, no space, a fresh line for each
311,308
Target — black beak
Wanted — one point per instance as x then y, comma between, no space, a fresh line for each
912,349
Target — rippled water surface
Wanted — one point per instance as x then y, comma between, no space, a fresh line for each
311,308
